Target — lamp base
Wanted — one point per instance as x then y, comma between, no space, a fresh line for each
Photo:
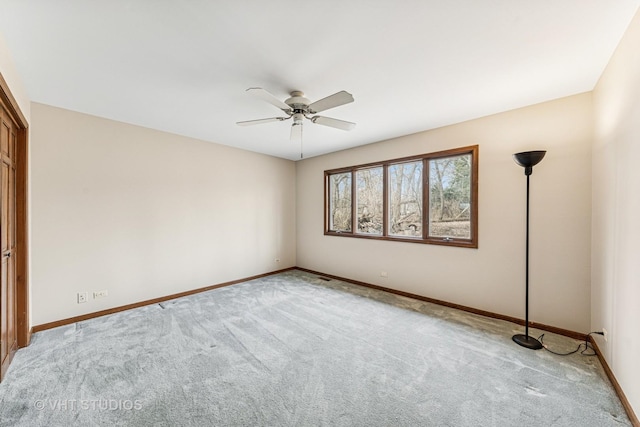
527,341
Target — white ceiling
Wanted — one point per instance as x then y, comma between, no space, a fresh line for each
411,65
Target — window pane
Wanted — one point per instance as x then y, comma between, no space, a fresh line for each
405,199
450,197
340,202
369,200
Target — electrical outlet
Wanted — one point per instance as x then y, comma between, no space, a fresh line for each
605,334
100,294
83,297
383,274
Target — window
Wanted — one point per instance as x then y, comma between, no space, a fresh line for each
450,197
369,200
340,206
431,198
405,199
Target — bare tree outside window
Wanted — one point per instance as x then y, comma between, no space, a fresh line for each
450,197
369,200
340,202
405,199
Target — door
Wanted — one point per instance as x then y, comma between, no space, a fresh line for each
8,289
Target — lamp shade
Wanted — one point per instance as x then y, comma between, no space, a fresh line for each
528,159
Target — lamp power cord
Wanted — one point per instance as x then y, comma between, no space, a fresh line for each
588,349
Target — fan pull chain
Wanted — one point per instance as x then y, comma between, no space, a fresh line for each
301,156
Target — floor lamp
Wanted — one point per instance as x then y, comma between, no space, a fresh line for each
528,160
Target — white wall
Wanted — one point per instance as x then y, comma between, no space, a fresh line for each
143,214
492,276
615,294
11,76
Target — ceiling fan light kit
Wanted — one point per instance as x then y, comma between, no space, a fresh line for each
298,108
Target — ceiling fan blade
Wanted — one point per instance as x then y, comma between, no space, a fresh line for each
258,92
296,132
257,122
334,123
331,101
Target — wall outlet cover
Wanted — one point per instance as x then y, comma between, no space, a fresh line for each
100,294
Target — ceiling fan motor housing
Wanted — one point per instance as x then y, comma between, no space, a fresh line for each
298,102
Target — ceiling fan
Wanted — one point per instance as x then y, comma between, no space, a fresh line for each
297,107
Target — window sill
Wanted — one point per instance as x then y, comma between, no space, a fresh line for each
430,241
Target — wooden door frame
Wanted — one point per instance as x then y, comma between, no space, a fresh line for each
22,237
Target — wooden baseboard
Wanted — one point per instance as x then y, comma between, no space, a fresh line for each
616,386
548,328
88,316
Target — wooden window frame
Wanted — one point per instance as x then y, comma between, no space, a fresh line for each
472,242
